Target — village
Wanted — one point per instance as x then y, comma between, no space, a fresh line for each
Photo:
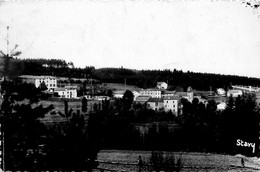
159,98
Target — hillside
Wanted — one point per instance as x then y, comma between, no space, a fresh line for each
140,78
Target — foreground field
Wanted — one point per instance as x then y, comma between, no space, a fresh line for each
126,161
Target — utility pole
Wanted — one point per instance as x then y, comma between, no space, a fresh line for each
7,41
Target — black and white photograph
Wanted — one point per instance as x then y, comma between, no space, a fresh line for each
130,85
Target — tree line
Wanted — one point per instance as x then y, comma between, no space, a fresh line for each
141,78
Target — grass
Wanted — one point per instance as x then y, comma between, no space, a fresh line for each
115,86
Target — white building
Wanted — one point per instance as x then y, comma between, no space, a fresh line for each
66,92
221,106
234,93
136,94
162,85
154,93
221,91
119,94
49,81
168,93
171,103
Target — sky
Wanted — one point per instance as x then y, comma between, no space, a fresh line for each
212,36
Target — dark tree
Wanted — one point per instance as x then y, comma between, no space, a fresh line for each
84,105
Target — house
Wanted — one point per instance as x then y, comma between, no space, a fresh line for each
142,99
155,103
49,81
119,94
167,93
221,91
136,94
66,92
234,93
221,106
186,95
154,93
100,98
171,104
162,85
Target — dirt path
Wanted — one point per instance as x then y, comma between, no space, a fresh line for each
126,161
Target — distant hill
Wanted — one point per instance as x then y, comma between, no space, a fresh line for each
139,78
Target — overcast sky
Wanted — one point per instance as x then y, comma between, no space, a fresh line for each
201,36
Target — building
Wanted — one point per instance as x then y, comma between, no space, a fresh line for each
234,93
66,92
154,93
155,103
186,95
221,91
168,93
119,94
162,85
247,89
171,104
49,81
142,99
221,106
136,94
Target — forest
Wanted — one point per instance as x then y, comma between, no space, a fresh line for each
141,78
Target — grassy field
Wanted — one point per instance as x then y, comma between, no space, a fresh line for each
126,160
114,86
75,105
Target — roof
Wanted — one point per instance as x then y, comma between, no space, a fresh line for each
171,98
181,94
63,89
234,91
161,83
142,98
168,92
36,77
155,100
119,92
59,89
151,89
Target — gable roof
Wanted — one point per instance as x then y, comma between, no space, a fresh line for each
171,98
181,94
155,100
159,83
142,98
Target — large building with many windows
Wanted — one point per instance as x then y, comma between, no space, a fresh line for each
49,81
154,93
